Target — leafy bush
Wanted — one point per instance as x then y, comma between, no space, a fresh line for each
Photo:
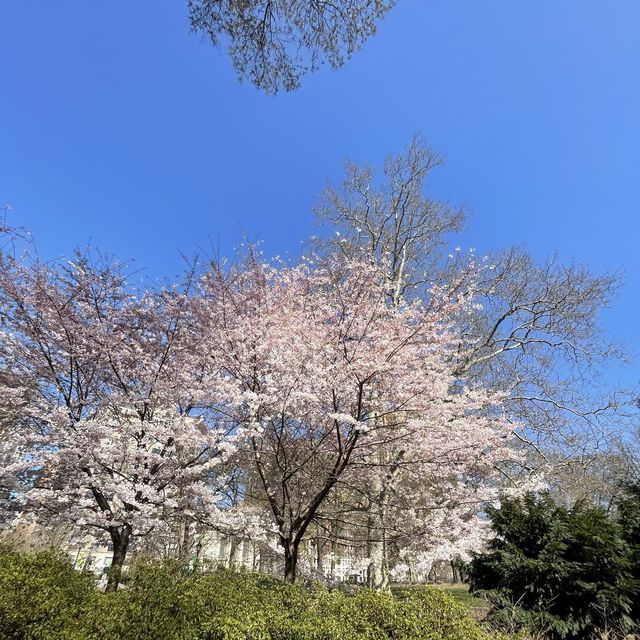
41,595
43,598
566,572
439,613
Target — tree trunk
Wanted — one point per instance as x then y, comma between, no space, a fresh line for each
290,560
377,576
120,537
454,573
319,555
184,542
381,489
233,547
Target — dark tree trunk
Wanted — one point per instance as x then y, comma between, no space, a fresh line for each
120,537
290,560
454,573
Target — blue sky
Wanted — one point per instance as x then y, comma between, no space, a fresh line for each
119,126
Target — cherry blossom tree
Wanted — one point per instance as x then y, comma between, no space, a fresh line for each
322,374
469,534
115,430
412,501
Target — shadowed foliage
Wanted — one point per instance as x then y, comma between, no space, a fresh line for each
566,572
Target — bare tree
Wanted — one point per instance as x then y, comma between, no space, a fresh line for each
536,328
273,43
392,220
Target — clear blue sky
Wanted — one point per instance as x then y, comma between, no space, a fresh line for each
119,126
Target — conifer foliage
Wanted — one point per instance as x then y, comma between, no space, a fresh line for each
567,572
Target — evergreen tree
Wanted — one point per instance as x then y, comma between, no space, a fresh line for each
629,519
567,572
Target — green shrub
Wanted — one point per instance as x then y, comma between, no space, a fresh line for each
239,606
441,614
43,598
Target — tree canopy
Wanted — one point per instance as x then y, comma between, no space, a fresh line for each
274,43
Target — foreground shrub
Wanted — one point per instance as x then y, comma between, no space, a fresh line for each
564,572
165,601
41,595
231,606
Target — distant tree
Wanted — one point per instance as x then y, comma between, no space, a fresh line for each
597,477
390,217
273,43
567,572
